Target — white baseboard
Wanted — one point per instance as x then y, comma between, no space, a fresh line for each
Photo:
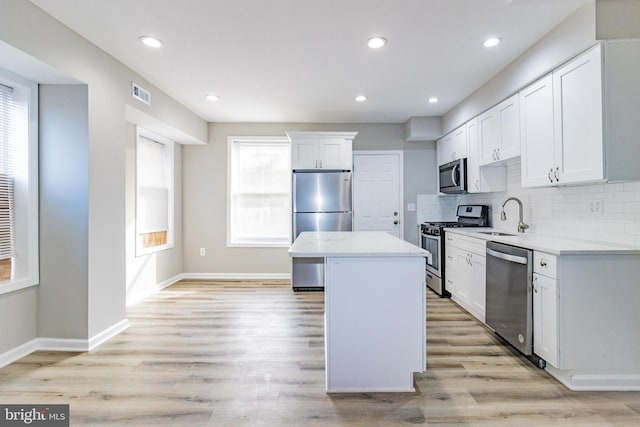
61,344
18,352
596,382
139,296
238,276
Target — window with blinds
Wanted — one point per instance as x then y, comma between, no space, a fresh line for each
259,192
154,183
7,185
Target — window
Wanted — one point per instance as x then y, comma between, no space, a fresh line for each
154,189
259,206
18,183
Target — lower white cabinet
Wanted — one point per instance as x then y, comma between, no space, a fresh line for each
465,273
545,318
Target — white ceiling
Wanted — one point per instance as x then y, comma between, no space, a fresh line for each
305,60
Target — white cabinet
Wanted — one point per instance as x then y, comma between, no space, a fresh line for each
321,150
452,146
577,99
465,272
545,308
561,125
481,179
499,132
575,122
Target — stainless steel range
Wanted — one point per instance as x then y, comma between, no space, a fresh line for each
432,239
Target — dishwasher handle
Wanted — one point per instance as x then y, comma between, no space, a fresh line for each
508,257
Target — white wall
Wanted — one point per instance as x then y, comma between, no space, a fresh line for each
101,291
205,191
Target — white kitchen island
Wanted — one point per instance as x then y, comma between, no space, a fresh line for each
375,313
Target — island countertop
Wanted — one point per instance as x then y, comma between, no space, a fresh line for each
311,244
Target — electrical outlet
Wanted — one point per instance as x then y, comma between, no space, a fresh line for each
411,207
595,206
202,252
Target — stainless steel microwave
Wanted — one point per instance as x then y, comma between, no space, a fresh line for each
453,177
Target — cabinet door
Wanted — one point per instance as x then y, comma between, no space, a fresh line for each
536,134
478,285
488,136
331,153
304,154
473,157
577,99
451,270
464,276
509,119
444,149
459,143
545,318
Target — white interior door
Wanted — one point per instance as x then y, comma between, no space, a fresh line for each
377,192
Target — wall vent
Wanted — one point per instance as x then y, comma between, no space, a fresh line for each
140,94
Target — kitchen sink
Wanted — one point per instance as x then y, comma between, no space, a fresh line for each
496,233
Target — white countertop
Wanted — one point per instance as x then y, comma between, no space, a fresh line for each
549,244
352,244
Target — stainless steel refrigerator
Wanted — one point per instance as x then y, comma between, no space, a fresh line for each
321,202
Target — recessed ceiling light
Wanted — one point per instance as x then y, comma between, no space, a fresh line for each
212,97
361,98
491,42
151,41
376,42
433,100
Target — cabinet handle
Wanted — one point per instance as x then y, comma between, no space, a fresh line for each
320,164
316,164
478,184
543,263
556,173
549,175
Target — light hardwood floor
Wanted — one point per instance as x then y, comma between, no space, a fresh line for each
231,353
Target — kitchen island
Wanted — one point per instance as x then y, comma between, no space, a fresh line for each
375,313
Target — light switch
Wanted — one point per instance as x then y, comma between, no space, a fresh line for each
411,207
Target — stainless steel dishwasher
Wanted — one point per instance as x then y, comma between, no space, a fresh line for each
509,294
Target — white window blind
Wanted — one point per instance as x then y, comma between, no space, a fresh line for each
153,191
260,182
7,171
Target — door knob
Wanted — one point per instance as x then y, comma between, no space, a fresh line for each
395,222
395,214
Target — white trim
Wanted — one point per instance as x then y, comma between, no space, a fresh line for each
400,155
18,353
138,297
237,276
618,382
61,344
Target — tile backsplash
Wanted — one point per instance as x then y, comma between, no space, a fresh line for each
600,212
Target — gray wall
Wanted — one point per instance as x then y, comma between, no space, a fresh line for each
205,191
617,19
571,37
64,204
104,227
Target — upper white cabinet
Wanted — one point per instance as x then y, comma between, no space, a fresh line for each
321,150
572,133
481,179
452,146
499,132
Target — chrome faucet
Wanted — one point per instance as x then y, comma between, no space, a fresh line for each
503,215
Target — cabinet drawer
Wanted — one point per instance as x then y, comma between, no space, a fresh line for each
545,264
469,244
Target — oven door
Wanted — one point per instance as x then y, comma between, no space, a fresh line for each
432,244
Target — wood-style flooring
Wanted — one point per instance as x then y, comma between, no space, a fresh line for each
230,353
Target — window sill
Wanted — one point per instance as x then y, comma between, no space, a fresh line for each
258,245
9,287
149,251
